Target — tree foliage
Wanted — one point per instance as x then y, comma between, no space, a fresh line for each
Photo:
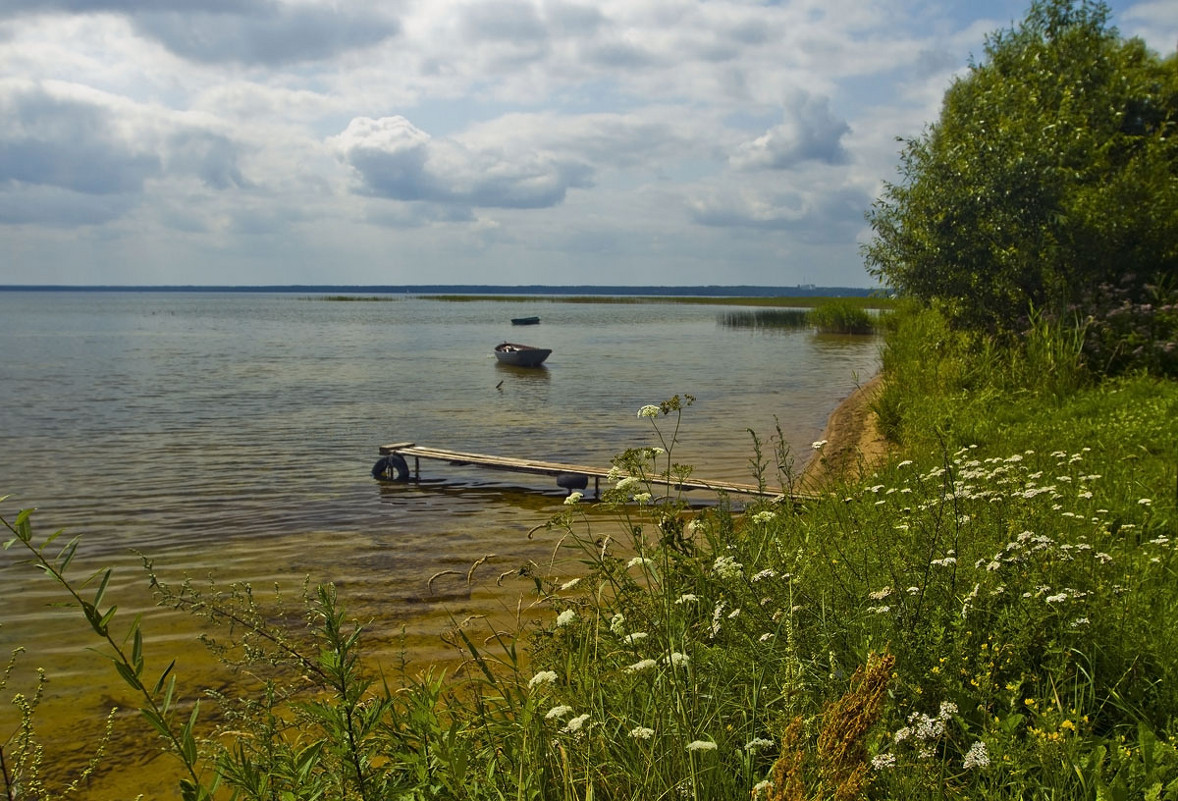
1051,172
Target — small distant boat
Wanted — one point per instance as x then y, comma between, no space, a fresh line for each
521,355
525,320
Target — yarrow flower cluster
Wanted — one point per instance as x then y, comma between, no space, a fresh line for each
701,745
764,516
649,410
976,756
641,733
574,498
566,617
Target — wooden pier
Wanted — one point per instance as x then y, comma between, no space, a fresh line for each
568,476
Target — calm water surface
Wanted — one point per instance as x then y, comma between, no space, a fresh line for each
233,434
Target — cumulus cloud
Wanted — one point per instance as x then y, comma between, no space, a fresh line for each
396,160
53,139
809,132
62,142
822,215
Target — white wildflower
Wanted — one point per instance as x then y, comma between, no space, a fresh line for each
764,517
566,617
543,677
558,712
641,733
678,660
727,567
626,483
818,444
734,614
568,585
649,410
883,761
640,666
976,756
615,623
637,636
766,637
642,497
574,725
639,560
758,744
904,463
761,788
879,610
765,574
1057,599
1145,502
574,498
701,745
687,598
879,595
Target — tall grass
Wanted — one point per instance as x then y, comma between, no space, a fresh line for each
986,617
839,316
767,318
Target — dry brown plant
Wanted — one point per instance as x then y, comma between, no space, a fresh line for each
836,767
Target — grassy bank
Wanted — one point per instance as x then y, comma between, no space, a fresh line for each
987,616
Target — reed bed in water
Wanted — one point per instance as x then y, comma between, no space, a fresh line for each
767,318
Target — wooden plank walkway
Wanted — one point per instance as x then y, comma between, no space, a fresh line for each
558,469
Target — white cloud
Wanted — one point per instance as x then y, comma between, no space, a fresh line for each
626,140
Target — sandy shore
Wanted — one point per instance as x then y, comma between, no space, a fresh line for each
854,447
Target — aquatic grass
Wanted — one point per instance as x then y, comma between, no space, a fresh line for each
839,316
789,319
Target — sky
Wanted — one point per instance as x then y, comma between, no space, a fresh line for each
513,142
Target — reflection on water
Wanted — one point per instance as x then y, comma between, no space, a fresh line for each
232,435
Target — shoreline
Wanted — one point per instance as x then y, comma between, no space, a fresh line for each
854,445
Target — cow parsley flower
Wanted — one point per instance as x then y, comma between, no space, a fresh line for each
637,667
701,745
639,560
543,677
678,660
764,517
558,712
574,725
641,733
566,617
568,585
687,598
574,498
726,567
649,410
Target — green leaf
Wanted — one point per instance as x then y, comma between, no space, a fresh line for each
159,685
128,674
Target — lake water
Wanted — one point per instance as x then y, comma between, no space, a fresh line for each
232,434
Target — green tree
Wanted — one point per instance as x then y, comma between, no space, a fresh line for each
1052,172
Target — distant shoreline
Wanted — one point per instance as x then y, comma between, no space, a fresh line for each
744,290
